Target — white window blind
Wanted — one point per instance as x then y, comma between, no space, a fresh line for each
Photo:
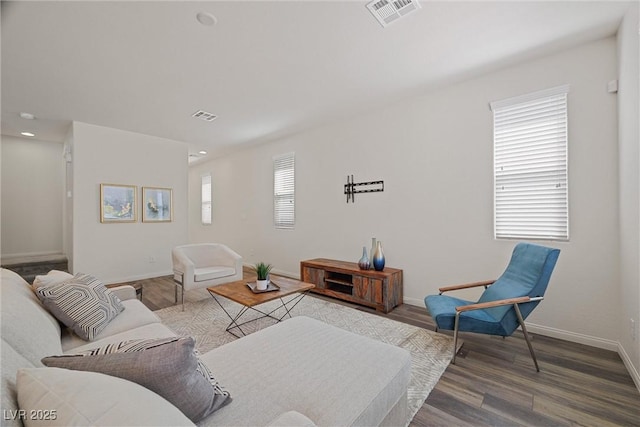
206,199
284,191
530,166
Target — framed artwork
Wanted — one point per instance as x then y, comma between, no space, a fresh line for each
118,203
157,204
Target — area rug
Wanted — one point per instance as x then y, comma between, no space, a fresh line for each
430,352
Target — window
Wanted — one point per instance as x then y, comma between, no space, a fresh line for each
530,166
206,199
284,191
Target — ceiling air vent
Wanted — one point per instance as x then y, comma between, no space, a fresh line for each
388,11
203,115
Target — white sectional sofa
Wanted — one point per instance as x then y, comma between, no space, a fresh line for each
299,372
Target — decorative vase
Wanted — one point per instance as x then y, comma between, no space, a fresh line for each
364,261
373,250
262,285
378,258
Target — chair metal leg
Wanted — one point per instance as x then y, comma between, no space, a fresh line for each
455,337
526,336
175,293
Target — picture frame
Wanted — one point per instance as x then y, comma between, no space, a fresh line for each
118,203
157,204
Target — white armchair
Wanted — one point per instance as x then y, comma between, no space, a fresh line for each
202,265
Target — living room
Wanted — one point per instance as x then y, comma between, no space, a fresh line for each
432,146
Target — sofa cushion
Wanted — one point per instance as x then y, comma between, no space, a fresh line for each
11,362
135,315
26,325
70,341
341,378
125,292
210,273
82,303
53,277
61,397
291,419
166,366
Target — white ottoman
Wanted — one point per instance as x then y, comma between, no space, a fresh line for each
331,376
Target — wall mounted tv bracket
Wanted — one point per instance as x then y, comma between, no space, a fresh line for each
369,187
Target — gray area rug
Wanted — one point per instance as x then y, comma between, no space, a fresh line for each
430,352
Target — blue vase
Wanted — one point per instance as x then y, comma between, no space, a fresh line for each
364,261
378,258
373,250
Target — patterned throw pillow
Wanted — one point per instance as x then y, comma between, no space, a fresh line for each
82,303
166,366
204,370
53,277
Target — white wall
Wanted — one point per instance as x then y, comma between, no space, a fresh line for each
435,216
32,186
67,203
121,252
629,158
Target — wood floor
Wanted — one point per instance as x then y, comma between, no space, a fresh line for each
494,382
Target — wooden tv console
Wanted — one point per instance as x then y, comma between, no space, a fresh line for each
381,290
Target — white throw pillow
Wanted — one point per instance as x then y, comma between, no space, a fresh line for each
62,397
51,278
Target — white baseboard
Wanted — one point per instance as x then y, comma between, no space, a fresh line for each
627,362
413,301
551,332
573,337
8,259
139,277
282,273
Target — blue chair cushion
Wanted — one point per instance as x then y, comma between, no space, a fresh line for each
524,276
442,309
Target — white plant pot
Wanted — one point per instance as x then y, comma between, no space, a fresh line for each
262,285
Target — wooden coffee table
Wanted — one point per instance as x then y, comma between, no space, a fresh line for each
240,293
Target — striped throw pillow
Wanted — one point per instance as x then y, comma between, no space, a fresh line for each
146,344
82,303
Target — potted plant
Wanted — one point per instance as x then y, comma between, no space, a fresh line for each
262,270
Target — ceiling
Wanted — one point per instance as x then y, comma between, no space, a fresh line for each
267,69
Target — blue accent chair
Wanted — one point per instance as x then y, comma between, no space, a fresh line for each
505,303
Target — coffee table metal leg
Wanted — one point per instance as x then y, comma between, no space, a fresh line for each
234,322
283,304
295,301
234,319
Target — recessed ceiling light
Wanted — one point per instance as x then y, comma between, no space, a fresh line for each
202,152
27,134
206,18
27,116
